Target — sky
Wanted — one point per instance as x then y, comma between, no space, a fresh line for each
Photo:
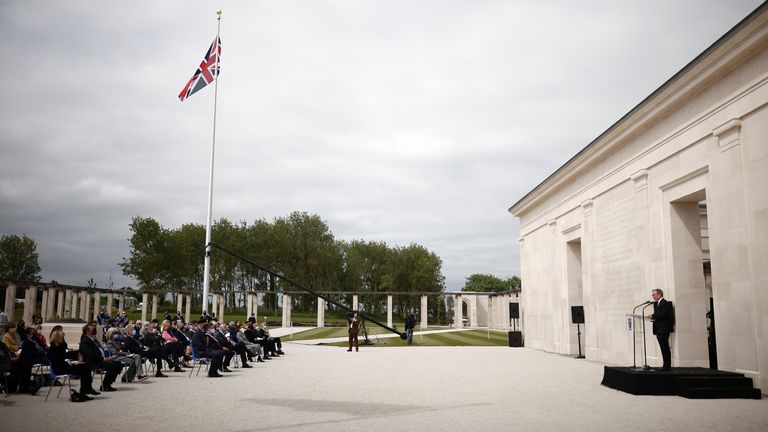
397,121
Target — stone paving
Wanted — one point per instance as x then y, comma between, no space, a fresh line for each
321,388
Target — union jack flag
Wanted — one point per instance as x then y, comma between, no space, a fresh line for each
206,73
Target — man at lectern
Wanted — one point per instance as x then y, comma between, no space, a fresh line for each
663,325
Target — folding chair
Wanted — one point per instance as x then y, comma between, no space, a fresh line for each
199,362
66,379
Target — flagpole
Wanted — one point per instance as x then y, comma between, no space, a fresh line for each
207,265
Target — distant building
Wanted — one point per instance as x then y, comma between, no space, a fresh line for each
674,196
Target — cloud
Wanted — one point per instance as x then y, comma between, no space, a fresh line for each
397,121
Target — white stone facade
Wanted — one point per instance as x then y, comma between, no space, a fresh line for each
624,216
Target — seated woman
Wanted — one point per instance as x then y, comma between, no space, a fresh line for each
120,354
171,345
11,339
254,349
64,362
154,341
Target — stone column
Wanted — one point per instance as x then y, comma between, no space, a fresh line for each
96,304
10,300
320,312
423,312
44,306
67,303
121,303
51,310
389,310
144,306
61,299
179,302
154,306
355,302
457,315
73,310
256,306
286,310
214,305
188,311
86,306
248,305
110,303
30,298
222,303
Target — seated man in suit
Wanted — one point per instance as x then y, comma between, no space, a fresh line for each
277,344
96,356
254,336
31,353
214,343
232,343
185,351
201,345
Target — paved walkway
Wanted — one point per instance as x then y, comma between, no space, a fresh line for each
320,388
373,336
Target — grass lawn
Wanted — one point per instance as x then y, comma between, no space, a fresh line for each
464,338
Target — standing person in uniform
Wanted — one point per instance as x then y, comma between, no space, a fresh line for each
410,324
353,319
663,325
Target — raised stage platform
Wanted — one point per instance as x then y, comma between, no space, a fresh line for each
689,382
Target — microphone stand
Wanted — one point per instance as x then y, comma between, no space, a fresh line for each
634,336
645,348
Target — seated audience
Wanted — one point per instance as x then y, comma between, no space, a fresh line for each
64,362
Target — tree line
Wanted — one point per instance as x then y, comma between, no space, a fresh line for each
299,246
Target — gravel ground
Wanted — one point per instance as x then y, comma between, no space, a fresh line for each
320,388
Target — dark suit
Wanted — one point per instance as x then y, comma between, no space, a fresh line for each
202,348
93,354
58,356
223,345
663,325
233,345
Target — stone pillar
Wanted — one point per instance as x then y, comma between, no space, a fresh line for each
355,302
110,303
61,299
96,304
389,310
457,315
73,308
320,312
222,303
86,306
10,300
188,311
423,312
30,298
51,310
286,310
144,306
121,303
256,306
214,305
67,303
44,306
248,305
179,302
154,306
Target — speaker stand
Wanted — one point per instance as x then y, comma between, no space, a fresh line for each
578,335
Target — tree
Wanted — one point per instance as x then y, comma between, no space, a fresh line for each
149,254
18,259
490,283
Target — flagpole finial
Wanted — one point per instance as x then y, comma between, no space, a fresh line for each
218,12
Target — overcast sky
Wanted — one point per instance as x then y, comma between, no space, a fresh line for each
397,121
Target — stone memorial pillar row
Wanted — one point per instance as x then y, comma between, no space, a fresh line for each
423,312
144,306
10,301
389,310
320,312
154,306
